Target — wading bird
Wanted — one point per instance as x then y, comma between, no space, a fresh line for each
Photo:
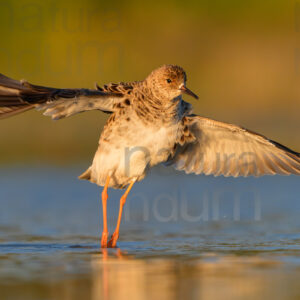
150,124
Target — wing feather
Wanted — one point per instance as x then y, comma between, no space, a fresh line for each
230,150
18,96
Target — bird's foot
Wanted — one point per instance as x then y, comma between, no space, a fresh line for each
104,239
113,241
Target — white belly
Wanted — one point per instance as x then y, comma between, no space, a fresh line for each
128,156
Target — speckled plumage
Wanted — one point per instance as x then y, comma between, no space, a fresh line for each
150,124
144,129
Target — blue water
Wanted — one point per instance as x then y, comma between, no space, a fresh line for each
186,235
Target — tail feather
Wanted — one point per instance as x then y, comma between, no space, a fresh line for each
86,175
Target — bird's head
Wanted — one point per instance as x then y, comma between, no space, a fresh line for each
169,82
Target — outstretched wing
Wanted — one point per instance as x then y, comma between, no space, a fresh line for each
229,150
18,96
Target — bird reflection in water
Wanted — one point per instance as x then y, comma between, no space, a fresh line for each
109,256
117,275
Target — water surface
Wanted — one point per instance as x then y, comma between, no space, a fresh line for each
181,237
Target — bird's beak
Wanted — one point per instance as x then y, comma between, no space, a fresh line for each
185,90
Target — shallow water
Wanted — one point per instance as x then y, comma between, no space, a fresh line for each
181,237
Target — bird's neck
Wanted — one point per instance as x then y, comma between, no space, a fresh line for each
155,108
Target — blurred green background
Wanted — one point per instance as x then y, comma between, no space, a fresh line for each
241,58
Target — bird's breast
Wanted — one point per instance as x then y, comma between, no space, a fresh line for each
156,142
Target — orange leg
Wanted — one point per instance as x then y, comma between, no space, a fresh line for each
113,240
104,206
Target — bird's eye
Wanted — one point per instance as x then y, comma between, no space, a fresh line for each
169,80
